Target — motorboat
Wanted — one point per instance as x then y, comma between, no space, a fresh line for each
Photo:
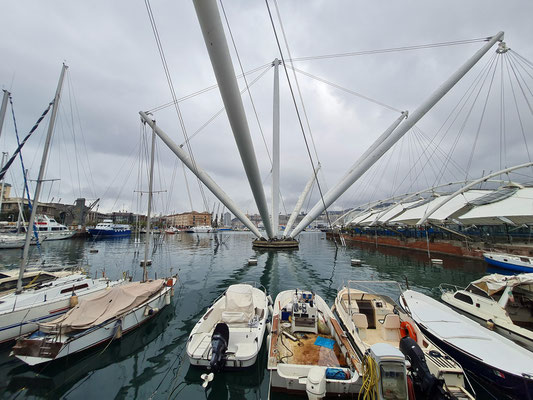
202,229
231,332
107,228
370,317
509,261
21,313
94,321
308,351
499,302
500,364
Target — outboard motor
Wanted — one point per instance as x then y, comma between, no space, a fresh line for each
426,385
219,345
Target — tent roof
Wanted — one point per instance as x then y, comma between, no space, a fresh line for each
517,209
448,210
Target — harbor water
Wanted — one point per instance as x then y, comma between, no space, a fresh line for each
151,362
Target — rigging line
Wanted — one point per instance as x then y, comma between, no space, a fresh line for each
521,64
482,116
508,60
70,89
172,91
521,57
199,92
438,152
187,186
221,110
296,80
362,96
297,111
392,49
244,77
466,96
521,88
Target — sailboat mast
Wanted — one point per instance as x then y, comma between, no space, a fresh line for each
3,109
275,152
29,231
148,213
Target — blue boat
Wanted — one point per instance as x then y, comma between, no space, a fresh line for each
509,261
107,228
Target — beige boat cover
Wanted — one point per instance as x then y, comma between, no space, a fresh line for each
493,283
239,304
112,302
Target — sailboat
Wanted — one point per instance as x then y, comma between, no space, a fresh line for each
21,311
102,318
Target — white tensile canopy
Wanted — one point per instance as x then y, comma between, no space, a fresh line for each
448,211
517,209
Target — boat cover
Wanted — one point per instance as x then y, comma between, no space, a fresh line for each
493,283
239,305
112,303
468,336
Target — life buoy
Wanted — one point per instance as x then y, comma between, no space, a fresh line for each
407,329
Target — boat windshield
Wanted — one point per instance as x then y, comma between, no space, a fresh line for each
393,380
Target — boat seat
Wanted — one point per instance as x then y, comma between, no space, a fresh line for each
361,323
245,350
234,317
391,326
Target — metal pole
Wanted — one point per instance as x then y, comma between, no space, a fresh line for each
4,157
3,109
218,50
202,175
275,152
29,231
300,202
148,213
386,142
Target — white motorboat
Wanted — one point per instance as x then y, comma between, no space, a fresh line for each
94,321
499,302
499,363
230,334
20,313
202,229
370,318
308,352
509,261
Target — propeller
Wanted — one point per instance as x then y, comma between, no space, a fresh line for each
207,378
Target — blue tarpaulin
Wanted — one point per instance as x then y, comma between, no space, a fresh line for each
324,342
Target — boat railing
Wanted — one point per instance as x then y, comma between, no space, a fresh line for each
448,288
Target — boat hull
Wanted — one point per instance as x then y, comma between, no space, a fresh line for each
512,386
26,319
507,265
33,353
109,233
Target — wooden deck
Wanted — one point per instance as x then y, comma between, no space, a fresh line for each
305,352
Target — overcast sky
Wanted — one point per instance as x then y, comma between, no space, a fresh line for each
115,71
